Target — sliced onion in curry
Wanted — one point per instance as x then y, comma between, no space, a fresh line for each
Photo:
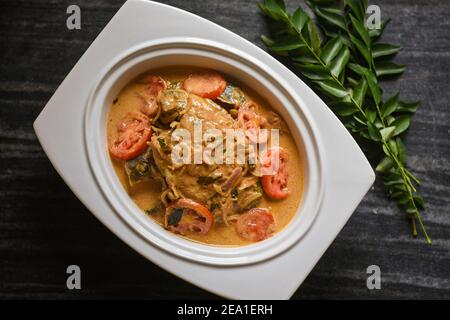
186,216
232,180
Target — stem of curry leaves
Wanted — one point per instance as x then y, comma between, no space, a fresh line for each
402,187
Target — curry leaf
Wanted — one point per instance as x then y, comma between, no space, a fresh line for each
286,44
401,150
313,36
362,31
384,49
357,8
407,107
358,69
314,71
401,124
388,68
389,106
373,86
387,133
374,133
385,164
371,114
331,18
299,19
331,49
331,88
339,63
267,41
273,9
359,92
344,109
362,49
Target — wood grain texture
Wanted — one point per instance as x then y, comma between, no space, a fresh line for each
44,228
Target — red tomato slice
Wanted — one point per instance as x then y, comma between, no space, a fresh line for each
251,122
275,184
206,84
154,86
134,131
255,225
200,219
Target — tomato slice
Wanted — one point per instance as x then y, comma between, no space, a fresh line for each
186,216
154,85
134,131
275,183
251,122
206,84
255,225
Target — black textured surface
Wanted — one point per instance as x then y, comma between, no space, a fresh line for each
44,228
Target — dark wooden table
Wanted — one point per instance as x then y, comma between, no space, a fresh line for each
44,228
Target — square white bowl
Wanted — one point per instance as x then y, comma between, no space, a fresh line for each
60,127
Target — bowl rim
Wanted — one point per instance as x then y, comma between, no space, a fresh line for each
125,208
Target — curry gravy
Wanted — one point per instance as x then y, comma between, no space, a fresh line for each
146,193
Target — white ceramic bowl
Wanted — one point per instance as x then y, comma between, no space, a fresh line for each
230,61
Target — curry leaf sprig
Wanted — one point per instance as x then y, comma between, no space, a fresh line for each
344,61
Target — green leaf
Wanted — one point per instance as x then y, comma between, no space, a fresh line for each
394,182
287,44
304,59
371,114
352,81
374,133
404,199
362,49
360,121
267,41
358,69
395,194
384,49
389,106
327,6
388,68
393,147
359,92
313,36
273,9
385,164
331,49
331,18
387,133
339,63
389,120
373,85
314,71
281,4
357,8
299,19
344,109
401,124
331,88
418,200
407,107
362,31
401,150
